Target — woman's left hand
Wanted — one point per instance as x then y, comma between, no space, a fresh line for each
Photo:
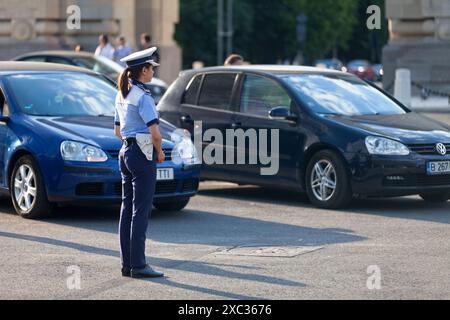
161,157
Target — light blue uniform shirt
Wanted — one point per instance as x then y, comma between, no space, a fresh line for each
136,113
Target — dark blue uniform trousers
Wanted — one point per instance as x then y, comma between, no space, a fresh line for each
138,188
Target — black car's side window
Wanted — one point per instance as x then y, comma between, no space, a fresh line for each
191,94
259,95
216,90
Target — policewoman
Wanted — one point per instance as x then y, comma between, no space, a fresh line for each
136,123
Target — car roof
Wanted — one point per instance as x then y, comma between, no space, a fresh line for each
269,69
63,53
19,66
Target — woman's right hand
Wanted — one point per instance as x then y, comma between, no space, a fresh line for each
161,157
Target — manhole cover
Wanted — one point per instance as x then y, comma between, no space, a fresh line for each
268,251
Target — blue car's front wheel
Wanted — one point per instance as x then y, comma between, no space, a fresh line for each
28,190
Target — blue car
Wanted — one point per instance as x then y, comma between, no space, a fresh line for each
57,143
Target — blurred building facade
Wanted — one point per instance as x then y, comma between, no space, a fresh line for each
419,41
30,25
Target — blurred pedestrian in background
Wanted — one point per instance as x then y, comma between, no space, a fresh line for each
105,49
79,48
122,51
146,43
234,60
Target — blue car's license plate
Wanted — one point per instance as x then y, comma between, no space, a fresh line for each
438,167
165,174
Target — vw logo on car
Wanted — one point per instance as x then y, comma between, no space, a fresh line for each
441,149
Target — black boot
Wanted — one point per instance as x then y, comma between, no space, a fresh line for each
126,272
146,272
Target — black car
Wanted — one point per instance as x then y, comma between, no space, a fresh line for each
339,136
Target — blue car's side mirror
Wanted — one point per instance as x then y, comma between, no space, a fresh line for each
282,113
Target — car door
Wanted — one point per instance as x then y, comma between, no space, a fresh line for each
209,104
258,95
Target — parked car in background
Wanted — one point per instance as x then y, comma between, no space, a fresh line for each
90,61
379,72
339,136
362,69
57,143
333,64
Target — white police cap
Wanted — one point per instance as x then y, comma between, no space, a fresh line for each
141,57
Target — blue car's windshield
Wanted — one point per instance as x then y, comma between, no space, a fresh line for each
62,94
341,94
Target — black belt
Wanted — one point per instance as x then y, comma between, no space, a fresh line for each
129,141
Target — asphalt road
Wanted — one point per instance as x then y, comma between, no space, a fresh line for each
236,243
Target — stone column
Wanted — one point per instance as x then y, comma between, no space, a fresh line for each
420,42
158,18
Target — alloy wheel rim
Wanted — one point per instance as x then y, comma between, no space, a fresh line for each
25,187
323,180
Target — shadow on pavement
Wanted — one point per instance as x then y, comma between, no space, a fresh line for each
412,208
259,194
402,207
192,227
203,268
206,228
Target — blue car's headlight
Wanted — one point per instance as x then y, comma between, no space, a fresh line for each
77,151
185,152
383,146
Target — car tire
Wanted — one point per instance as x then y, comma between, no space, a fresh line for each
27,190
435,197
172,206
326,170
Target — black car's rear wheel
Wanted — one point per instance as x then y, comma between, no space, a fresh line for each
327,181
27,190
436,197
172,206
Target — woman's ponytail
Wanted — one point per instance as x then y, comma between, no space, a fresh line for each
133,73
123,83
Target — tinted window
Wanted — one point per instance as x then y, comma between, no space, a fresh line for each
190,97
98,65
62,94
59,60
341,94
260,95
33,59
216,91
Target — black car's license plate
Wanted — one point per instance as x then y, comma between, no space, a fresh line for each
438,167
